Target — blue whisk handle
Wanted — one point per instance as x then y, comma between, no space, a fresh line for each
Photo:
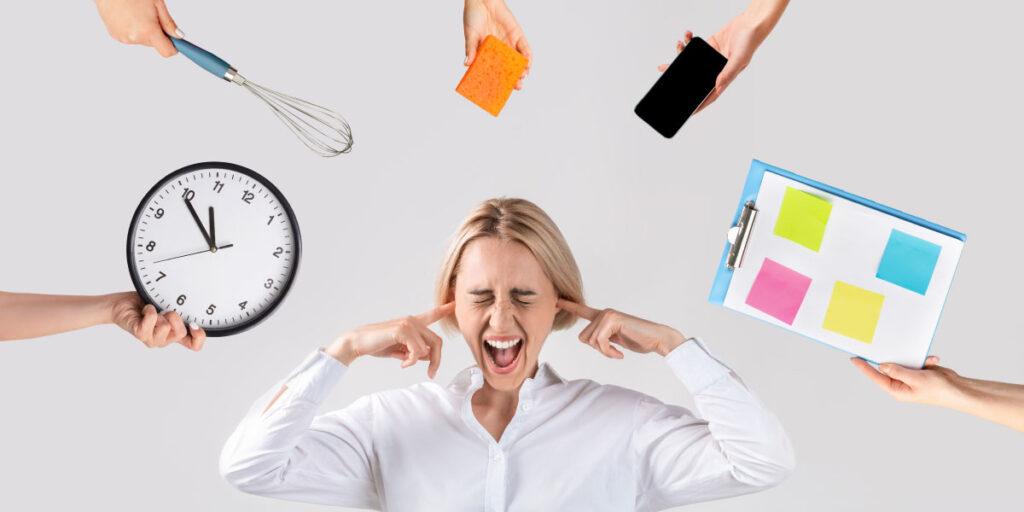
206,60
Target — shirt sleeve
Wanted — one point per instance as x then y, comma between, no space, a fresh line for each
284,452
737,448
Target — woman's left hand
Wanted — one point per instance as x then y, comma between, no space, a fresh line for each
608,326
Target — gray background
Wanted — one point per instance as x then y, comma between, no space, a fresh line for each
913,104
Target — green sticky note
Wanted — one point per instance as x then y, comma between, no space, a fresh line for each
802,218
853,311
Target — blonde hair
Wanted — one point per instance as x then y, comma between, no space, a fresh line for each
516,220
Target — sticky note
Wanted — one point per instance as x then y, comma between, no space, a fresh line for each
492,75
908,261
802,218
853,311
778,291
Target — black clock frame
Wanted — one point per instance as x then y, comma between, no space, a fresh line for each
252,322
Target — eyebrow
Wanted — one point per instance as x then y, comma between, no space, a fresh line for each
515,291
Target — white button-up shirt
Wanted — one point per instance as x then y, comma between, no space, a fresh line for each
572,445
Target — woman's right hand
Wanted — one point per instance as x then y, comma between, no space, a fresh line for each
406,338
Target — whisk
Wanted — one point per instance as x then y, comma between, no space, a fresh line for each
322,130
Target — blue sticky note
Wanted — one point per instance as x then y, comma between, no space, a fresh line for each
908,261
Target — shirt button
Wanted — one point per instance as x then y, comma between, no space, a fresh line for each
497,456
526,406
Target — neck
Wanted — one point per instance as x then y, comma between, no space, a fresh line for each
502,401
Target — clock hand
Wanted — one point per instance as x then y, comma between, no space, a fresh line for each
213,232
199,223
193,253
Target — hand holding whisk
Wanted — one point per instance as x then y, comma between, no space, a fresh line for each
322,130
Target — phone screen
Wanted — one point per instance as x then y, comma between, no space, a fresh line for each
681,88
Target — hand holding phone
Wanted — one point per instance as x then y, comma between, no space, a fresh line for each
682,88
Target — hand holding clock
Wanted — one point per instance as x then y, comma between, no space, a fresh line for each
155,330
26,315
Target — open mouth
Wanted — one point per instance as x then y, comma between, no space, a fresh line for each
503,352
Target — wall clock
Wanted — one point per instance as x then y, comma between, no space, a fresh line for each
216,242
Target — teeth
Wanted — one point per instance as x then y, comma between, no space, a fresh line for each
503,344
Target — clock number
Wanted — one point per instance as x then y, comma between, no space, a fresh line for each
188,194
278,252
211,309
150,246
248,197
241,305
217,187
162,275
271,219
268,284
181,300
159,213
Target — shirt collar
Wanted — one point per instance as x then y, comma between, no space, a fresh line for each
471,379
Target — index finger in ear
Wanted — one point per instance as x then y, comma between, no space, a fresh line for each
436,314
580,310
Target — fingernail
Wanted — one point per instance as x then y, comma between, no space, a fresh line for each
884,368
179,33
193,326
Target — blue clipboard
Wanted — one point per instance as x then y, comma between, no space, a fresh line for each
752,187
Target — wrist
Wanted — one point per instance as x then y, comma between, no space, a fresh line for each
342,350
671,342
104,307
966,395
762,15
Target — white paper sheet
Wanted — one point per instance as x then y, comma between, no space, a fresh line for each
851,250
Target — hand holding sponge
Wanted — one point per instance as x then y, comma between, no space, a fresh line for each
492,75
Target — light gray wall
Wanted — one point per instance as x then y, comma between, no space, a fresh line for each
913,104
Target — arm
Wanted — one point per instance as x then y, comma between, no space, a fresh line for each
27,315
144,22
998,402
279,450
737,448
738,40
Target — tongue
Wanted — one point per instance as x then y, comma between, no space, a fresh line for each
504,356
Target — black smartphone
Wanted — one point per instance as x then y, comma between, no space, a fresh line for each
682,87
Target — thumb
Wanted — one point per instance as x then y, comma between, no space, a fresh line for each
472,42
899,373
729,73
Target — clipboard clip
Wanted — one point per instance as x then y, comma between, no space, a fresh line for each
739,234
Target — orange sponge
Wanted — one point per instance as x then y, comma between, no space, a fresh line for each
492,75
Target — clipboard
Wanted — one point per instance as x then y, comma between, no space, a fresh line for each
835,267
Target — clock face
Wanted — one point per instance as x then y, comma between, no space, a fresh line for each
217,243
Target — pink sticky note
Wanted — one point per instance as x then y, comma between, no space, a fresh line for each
778,291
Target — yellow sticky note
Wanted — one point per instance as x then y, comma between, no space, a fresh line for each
853,311
802,218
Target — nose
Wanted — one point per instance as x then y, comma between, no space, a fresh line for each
502,316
